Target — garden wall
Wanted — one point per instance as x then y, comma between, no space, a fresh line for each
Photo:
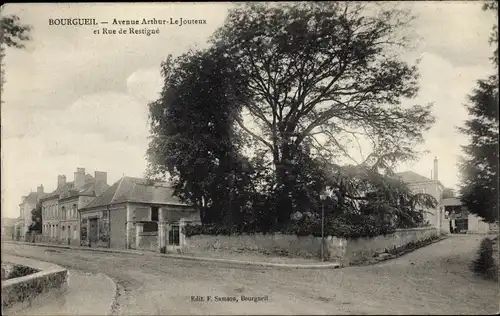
24,289
147,241
341,250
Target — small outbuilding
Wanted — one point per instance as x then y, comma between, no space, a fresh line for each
135,213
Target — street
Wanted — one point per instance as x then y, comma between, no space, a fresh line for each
432,280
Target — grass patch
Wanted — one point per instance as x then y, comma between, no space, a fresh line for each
484,264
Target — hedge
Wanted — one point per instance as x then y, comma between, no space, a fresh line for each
339,228
484,264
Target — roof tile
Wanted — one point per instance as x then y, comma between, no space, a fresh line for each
129,189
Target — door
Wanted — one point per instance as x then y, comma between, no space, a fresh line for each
93,230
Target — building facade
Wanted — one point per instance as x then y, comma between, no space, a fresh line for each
458,219
60,208
8,227
28,203
135,214
449,215
420,184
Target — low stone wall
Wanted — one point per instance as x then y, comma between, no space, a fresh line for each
24,289
148,241
362,248
345,251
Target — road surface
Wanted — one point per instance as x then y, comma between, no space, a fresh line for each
432,280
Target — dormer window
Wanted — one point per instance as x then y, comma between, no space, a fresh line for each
154,213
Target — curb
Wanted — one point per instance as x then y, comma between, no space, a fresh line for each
261,264
115,297
20,292
391,257
202,259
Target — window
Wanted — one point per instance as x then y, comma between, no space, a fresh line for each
173,235
63,211
462,224
74,210
154,213
150,227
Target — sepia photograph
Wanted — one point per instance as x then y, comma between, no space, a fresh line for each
250,158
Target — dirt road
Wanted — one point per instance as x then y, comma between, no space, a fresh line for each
432,280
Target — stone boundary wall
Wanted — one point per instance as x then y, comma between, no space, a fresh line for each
19,291
148,241
342,250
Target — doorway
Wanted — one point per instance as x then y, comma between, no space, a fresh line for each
93,230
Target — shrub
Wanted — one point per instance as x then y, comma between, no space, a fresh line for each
346,227
19,271
485,264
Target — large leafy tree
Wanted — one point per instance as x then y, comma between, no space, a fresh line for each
328,69
36,219
12,34
363,190
193,137
479,166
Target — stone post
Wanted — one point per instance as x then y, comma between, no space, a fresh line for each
139,228
162,240
168,227
87,241
182,238
438,220
130,226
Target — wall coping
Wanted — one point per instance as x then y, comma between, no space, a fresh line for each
326,236
44,269
148,233
414,228
18,292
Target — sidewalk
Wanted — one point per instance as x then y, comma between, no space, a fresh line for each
241,259
85,294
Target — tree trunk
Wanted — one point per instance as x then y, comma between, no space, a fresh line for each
285,182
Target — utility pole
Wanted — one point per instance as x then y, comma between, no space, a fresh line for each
322,196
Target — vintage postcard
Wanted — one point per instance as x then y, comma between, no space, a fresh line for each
259,158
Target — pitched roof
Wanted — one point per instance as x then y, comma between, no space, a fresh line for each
451,202
7,221
410,177
130,189
60,190
33,197
90,188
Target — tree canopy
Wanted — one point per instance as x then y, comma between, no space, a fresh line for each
479,166
36,219
323,69
269,109
12,34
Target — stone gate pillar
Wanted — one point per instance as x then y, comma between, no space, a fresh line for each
162,230
139,228
182,238
130,227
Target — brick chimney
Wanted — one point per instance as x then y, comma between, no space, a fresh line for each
435,178
101,179
61,180
79,178
39,190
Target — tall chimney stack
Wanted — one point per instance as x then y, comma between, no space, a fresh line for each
435,169
101,179
79,178
61,181
39,190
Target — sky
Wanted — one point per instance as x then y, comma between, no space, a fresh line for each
73,98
